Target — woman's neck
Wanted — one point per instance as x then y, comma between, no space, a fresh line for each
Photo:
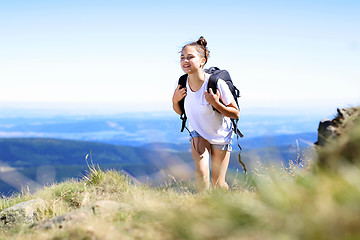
196,80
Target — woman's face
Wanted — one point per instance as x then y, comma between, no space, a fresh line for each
190,60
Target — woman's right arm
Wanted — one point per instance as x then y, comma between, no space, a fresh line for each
178,95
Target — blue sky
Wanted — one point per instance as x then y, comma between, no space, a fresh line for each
115,56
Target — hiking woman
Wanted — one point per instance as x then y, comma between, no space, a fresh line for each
210,131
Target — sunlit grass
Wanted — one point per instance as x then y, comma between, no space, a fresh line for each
278,205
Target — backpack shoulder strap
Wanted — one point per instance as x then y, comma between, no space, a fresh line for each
182,83
212,83
182,80
213,79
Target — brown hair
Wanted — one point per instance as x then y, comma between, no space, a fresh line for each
201,48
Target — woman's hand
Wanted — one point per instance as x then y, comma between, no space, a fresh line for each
212,98
178,95
231,110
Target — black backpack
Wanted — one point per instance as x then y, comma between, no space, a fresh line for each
216,73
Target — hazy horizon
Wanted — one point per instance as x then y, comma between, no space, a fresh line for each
49,109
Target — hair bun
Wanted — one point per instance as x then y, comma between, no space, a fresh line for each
202,41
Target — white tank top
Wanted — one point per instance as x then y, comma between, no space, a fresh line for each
211,125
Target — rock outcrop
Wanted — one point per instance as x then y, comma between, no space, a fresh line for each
101,208
26,213
339,140
330,129
22,213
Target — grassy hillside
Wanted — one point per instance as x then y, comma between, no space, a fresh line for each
311,202
268,204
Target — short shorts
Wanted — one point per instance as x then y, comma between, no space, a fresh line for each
226,146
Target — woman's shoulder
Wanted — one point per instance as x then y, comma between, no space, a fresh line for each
221,83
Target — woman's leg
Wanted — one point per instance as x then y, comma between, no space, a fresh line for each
200,150
219,165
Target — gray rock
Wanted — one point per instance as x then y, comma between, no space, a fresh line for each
326,132
331,129
101,208
22,213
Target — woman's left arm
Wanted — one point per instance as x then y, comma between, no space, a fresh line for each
231,110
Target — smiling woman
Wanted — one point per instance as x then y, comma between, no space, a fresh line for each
210,131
